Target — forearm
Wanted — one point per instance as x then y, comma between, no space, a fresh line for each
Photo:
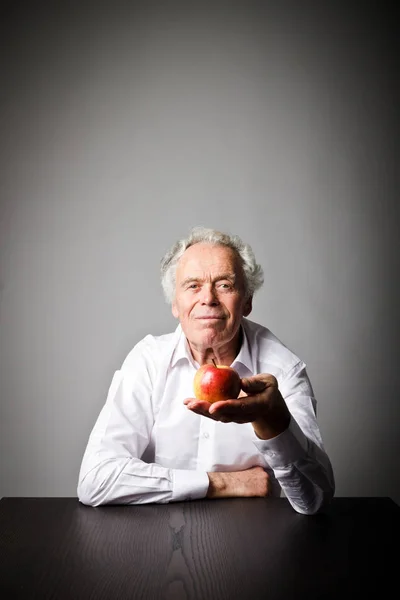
122,480
308,486
302,469
127,480
220,485
266,429
245,484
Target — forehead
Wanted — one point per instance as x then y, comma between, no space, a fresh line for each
206,258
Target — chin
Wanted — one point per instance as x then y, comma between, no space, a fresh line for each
211,339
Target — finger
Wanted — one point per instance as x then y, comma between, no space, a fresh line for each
188,400
199,407
252,386
218,407
235,410
258,383
193,403
201,413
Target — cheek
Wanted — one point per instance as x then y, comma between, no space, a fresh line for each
186,308
236,309
189,309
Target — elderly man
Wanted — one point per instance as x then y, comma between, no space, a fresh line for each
154,442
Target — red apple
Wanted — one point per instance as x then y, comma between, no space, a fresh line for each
216,382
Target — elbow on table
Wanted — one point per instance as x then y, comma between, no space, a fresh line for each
322,500
89,494
98,480
88,499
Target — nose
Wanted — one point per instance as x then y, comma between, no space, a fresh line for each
209,296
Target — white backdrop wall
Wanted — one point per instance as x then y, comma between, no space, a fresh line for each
123,125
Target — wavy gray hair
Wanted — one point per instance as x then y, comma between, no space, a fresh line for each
254,276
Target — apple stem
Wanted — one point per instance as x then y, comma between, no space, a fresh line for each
214,362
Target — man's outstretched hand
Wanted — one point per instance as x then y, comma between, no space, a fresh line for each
260,403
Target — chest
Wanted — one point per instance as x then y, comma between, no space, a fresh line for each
182,439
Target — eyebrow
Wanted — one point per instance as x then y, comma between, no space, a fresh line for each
228,276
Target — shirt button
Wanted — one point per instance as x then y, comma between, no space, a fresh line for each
206,435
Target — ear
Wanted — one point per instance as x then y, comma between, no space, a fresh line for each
175,310
248,307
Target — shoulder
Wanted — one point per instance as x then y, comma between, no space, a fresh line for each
270,353
150,351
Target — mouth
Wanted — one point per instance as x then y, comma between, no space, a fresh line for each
210,318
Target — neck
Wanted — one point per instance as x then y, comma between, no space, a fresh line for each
224,354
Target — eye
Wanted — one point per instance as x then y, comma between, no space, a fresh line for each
225,286
193,286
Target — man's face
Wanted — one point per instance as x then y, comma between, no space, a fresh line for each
210,295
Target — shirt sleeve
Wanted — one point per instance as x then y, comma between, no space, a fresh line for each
297,456
112,471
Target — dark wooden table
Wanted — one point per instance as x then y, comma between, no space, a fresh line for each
206,549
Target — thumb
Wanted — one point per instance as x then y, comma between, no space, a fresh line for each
258,383
253,385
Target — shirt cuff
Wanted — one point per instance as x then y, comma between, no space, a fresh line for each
189,485
288,447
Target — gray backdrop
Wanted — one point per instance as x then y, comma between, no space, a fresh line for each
123,125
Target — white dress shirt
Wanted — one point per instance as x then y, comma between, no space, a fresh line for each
147,446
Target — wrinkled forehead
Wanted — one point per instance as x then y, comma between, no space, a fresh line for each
205,260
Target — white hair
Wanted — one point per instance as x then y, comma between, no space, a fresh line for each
253,273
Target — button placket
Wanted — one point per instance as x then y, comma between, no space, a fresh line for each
205,447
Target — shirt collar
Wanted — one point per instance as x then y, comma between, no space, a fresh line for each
182,351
